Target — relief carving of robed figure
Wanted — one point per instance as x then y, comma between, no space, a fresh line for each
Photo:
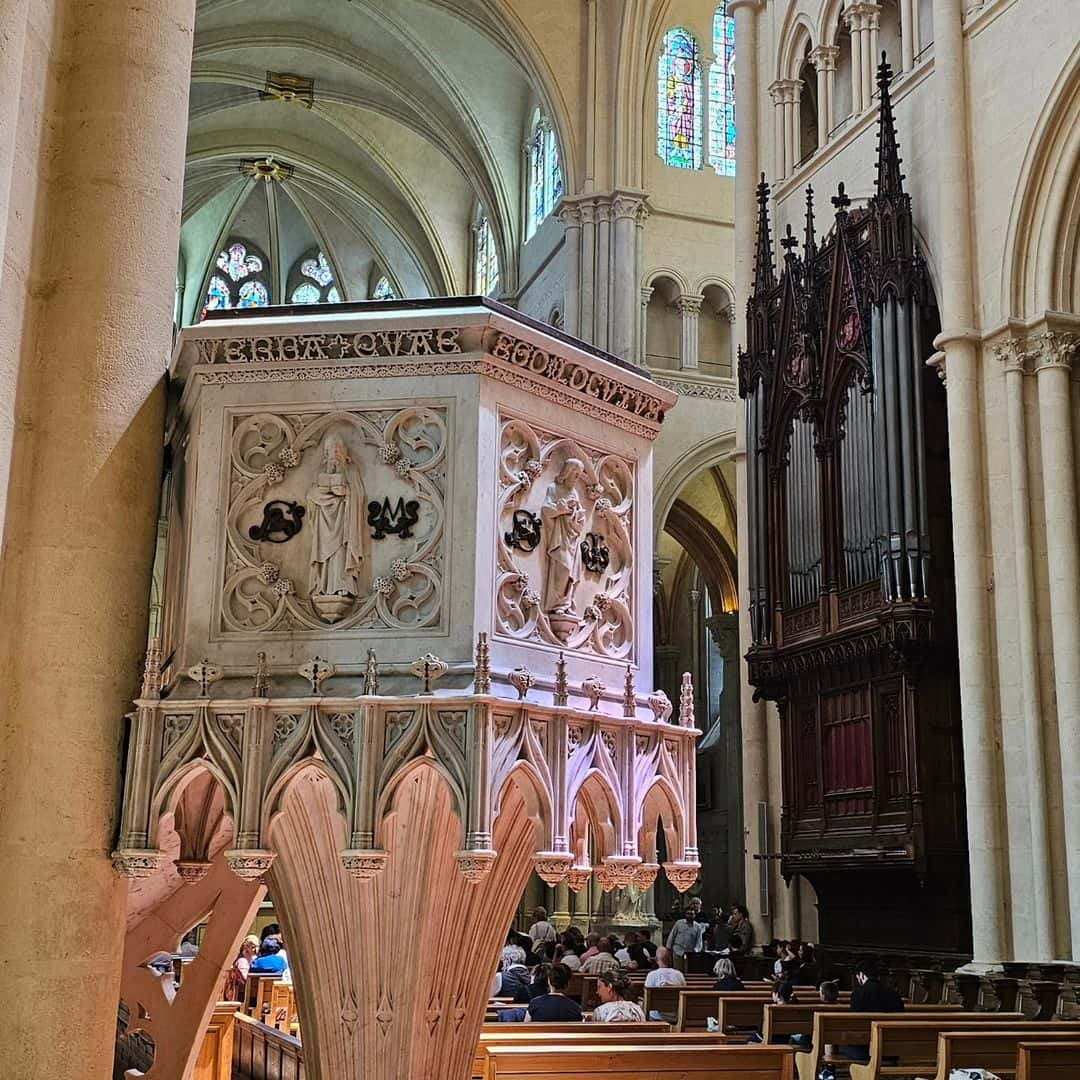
564,522
338,538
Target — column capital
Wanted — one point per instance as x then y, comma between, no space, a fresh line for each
627,205
689,305
646,295
823,57
785,91
1031,350
569,215
751,6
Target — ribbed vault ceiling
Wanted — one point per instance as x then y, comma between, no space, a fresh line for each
419,110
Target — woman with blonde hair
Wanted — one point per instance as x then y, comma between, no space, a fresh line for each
238,973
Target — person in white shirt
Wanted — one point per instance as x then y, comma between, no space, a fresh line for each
541,929
613,991
664,975
687,936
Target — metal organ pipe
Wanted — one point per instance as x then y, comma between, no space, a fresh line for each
892,447
880,457
920,451
755,522
762,481
907,451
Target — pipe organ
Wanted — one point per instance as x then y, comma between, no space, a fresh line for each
850,567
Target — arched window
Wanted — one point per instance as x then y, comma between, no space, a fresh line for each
722,94
545,172
383,290
312,280
485,258
240,279
679,101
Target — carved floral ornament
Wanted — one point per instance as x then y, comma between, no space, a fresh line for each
553,590
370,554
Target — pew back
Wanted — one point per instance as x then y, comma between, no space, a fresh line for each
998,1047
851,1028
632,1062
1048,1060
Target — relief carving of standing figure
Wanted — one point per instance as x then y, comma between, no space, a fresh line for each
564,522
338,537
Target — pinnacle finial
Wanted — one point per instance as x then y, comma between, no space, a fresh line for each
151,682
890,181
686,701
764,269
809,239
562,686
629,703
371,674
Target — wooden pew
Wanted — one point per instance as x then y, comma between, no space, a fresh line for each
998,1047
780,1022
913,1041
215,1060
847,1028
587,1035
1048,1061
258,990
668,1063
735,1011
282,1013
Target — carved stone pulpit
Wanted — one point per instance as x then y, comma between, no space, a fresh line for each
408,629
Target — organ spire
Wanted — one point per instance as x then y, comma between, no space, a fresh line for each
764,270
890,181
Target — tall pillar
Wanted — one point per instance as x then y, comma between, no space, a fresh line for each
82,501
643,329
792,93
1015,355
602,317
853,16
561,914
1053,370
570,217
731,318
624,273
871,52
907,39
580,914
587,278
824,60
690,309
776,92
748,166
981,729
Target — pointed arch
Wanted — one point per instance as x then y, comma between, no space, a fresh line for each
387,796
595,802
536,797
275,796
660,807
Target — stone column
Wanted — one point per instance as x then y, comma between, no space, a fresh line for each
689,308
776,92
570,217
981,730
643,328
755,755
587,281
853,17
1014,355
733,337
624,273
561,915
82,512
871,52
908,47
824,60
602,317
580,915
792,103
1053,371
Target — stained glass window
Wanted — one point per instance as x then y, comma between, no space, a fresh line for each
722,94
312,280
241,280
383,290
486,259
679,101
545,172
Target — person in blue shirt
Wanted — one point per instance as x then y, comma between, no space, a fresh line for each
269,961
554,1005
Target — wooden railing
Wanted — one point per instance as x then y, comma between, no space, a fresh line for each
261,1052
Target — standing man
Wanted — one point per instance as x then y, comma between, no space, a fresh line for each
687,936
541,929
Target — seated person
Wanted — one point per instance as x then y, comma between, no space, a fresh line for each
870,995
603,960
726,979
664,975
513,974
616,1006
269,961
592,943
830,992
536,986
554,1005
783,993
